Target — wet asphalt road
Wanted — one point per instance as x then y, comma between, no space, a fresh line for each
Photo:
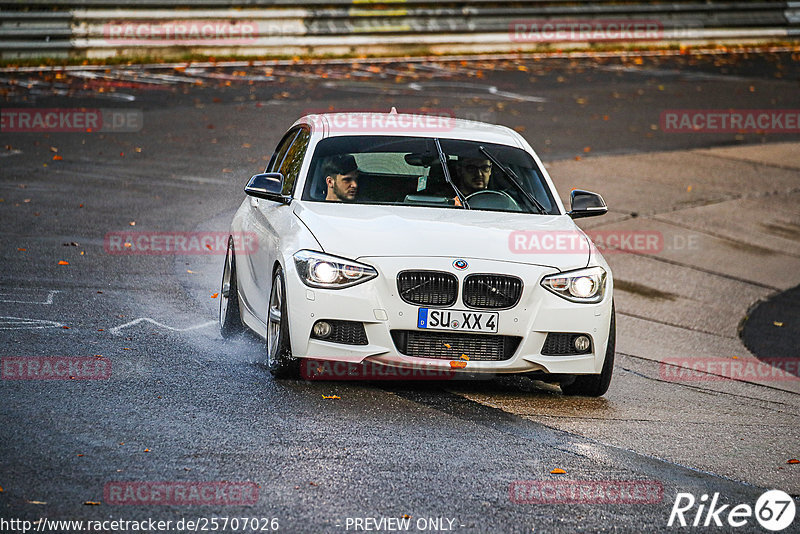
182,405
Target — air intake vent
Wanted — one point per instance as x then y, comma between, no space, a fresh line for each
447,346
562,344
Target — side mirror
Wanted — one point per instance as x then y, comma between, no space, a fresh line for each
586,204
268,185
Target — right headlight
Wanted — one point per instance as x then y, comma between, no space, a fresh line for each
584,285
317,269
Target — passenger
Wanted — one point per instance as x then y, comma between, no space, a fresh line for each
341,178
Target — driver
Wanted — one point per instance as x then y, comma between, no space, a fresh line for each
472,175
341,178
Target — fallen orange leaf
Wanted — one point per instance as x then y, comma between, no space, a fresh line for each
147,450
447,345
62,262
558,471
92,503
331,397
458,364
57,158
793,461
464,357
215,295
22,249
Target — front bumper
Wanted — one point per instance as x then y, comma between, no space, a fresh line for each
378,306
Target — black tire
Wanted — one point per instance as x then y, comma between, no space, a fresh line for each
230,319
279,348
596,385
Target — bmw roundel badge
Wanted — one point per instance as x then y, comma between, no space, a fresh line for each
460,264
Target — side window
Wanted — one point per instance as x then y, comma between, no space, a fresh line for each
293,160
280,152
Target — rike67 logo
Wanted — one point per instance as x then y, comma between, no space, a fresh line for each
774,510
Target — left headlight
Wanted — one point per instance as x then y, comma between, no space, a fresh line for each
317,269
584,285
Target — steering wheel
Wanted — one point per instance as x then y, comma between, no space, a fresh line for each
493,200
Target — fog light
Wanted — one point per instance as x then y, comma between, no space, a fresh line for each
322,329
581,343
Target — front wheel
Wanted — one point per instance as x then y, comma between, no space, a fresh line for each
279,348
596,385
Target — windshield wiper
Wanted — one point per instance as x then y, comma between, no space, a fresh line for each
446,172
514,180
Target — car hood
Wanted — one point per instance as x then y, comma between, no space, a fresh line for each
356,231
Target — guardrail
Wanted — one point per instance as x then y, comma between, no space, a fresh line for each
102,29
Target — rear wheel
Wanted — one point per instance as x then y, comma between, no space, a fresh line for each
596,385
279,348
230,320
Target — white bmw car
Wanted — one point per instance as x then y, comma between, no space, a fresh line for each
418,242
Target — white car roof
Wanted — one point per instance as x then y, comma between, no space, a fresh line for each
410,125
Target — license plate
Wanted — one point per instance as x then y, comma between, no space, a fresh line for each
461,320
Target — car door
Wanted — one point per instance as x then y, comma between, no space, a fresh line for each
270,221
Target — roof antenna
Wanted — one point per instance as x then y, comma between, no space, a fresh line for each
393,111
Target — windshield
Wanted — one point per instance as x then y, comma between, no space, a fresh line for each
408,171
